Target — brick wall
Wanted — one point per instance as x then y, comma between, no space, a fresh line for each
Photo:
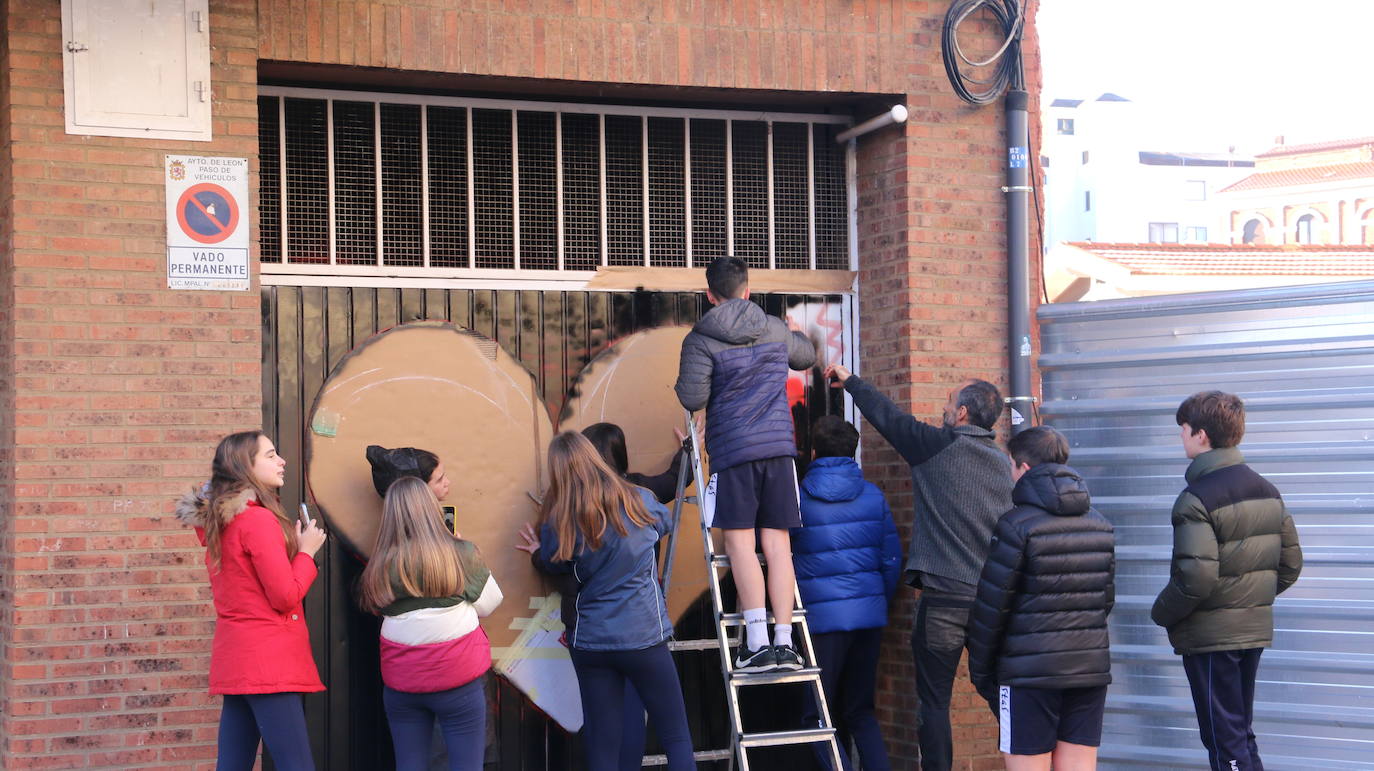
120,387
6,378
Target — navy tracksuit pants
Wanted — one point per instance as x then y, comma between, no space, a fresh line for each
1223,684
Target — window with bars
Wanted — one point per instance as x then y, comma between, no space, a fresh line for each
431,182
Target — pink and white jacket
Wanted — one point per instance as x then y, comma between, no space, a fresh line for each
432,644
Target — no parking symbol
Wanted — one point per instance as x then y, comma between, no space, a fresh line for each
207,213
207,235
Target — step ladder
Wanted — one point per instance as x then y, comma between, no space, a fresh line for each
741,741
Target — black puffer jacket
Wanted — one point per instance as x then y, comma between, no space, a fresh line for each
1040,620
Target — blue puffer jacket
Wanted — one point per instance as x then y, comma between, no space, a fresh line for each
847,553
620,605
734,363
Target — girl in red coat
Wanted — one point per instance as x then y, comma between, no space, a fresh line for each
261,564
431,587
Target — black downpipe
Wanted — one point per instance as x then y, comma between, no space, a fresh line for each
1020,401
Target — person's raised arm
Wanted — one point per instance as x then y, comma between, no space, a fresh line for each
916,441
801,352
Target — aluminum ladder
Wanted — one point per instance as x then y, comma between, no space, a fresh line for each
741,741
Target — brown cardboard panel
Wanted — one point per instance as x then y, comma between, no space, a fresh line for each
631,384
627,278
433,386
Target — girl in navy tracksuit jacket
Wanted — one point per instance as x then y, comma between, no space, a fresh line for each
602,529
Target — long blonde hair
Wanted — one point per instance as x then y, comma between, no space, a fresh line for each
414,548
585,495
231,474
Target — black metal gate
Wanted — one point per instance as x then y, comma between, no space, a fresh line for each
306,331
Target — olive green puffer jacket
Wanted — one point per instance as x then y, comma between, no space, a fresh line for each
1235,549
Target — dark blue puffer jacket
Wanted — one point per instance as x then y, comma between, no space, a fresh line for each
846,553
734,363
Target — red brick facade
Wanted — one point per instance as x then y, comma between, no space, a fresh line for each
115,388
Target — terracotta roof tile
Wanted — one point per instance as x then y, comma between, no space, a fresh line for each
1225,260
1316,147
1307,176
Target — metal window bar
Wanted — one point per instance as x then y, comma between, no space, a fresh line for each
601,151
644,183
784,196
425,250
772,212
811,195
377,154
515,187
687,189
472,197
729,188
560,237
333,187
281,153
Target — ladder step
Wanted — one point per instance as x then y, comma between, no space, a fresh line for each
737,619
723,560
778,738
774,678
699,756
696,645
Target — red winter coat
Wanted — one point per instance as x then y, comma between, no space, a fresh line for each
261,642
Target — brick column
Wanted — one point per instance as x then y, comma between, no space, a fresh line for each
119,389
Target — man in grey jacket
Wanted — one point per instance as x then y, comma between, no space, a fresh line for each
734,363
1235,549
961,480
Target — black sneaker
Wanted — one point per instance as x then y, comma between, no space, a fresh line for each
787,657
761,660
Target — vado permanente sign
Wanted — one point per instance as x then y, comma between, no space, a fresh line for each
207,222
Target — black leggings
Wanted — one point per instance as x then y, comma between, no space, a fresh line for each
278,719
601,677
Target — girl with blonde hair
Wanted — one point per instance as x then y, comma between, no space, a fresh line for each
430,587
600,528
261,565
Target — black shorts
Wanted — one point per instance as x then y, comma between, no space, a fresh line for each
1033,720
757,493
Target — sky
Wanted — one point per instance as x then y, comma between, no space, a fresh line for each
1209,74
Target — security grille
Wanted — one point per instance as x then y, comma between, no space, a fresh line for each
400,181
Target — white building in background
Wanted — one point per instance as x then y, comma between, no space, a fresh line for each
1106,180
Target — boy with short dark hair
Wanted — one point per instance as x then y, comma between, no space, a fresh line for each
847,557
1235,549
735,363
1038,644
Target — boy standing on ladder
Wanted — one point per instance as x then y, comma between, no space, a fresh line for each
735,363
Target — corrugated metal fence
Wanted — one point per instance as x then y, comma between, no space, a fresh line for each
1303,360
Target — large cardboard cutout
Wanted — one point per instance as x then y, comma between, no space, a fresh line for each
631,384
435,386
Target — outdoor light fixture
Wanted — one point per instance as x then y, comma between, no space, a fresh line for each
882,120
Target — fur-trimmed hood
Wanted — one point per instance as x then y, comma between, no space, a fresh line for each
192,508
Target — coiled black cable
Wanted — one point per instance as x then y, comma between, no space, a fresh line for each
1005,63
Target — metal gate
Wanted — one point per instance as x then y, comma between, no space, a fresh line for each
306,331
1303,359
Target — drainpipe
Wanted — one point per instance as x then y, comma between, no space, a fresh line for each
1020,401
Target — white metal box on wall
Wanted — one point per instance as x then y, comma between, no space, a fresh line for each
137,68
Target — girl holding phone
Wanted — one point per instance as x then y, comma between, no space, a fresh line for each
261,564
430,587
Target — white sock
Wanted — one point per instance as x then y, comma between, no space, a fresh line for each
755,628
782,634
